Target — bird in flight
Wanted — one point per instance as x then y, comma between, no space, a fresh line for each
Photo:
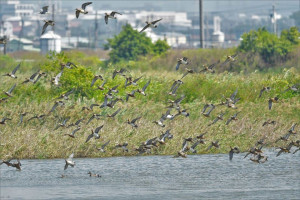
47,23
150,24
111,16
82,9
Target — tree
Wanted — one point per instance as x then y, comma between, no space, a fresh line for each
128,45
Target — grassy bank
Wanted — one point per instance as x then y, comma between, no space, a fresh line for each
38,139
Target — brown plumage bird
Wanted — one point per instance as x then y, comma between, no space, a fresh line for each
232,151
150,24
272,100
82,9
47,23
133,122
110,16
12,74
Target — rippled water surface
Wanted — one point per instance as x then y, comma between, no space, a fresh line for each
156,177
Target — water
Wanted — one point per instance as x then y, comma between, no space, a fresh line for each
156,177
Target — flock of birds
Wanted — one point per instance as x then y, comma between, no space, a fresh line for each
174,109
83,10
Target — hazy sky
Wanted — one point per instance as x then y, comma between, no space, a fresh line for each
284,7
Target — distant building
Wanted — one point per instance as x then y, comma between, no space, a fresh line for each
217,36
50,42
20,44
15,8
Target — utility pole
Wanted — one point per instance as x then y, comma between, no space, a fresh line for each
21,33
96,31
53,9
5,43
274,20
201,23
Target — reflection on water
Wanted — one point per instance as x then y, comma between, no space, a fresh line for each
154,177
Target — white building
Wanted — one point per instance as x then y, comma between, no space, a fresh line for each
218,36
15,8
50,42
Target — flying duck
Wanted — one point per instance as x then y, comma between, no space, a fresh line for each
67,65
209,68
82,9
142,91
150,24
273,100
234,117
69,161
111,16
101,149
96,77
44,10
95,133
12,74
3,120
213,144
207,114
132,122
9,92
31,78
114,114
264,89
72,135
47,23
180,61
232,151
56,79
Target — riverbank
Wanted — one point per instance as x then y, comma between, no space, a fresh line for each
39,139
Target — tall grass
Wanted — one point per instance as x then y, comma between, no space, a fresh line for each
38,139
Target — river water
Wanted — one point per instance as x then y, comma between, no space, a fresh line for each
156,177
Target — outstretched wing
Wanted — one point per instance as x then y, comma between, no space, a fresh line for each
213,65
134,120
44,27
177,66
98,129
45,9
106,19
228,121
195,145
94,80
54,107
34,75
232,97
146,85
14,71
115,113
89,137
114,12
57,77
186,73
230,155
85,4
154,22
77,13
261,92
104,145
145,28
71,156
11,89
270,104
